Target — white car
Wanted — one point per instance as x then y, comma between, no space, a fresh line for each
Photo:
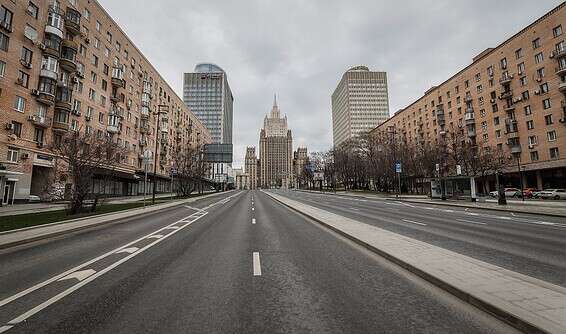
552,194
509,192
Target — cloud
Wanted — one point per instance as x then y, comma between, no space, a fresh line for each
299,49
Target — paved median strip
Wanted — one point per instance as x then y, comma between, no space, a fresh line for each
527,303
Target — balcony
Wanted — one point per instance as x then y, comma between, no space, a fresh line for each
470,110
63,97
40,121
117,98
562,87
68,54
45,98
559,53
506,79
73,21
144,129
60,121
509,107
561,70
469,118
118,77
51,45
515,149
117,112
112,128
512,134
506,94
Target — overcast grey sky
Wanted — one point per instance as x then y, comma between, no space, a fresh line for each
300,49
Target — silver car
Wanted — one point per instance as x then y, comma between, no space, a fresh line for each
552,194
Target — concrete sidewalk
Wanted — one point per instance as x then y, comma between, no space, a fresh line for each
20,209
549,208
529,304
34,233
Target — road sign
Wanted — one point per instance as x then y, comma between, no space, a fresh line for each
398,167
458,170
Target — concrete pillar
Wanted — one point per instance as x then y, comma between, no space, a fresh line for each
525,181
539,179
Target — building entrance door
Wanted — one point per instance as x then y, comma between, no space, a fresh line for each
8,192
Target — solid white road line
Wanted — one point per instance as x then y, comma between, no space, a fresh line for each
155,236
414,222
91,278
257,264
63,274
470,221
253,220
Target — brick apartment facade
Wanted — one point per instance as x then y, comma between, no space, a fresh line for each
66,66
511,97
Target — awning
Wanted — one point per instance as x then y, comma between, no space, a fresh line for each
101,172
150,175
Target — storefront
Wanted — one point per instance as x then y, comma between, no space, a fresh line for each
8,181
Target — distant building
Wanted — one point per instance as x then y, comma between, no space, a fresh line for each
250,167
300,159
276,149
207,93
359,103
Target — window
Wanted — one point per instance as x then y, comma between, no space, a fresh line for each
534,156
557,31
94,61
551,135
108,36
525,95
86,14
82,50
74,125
104,85
533,140
118,46
478,77
77,106
544,88
106,69
518,53
530,125
101,118
2,68
20,104
503,63
38,135
536,43
96,43
89,111
32,10
106,52
98,26
6,17
539,58
496,121
548,119
490,71
23,79
479,89
91,94
546,104
528,110
26,55
540,73
467,83
4,42
523,81
521,68
17,128
102,100
93,77
554,153
12,155
497,133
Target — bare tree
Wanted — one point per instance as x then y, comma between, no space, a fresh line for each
190,169
83,155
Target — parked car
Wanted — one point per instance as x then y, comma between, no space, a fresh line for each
552,194
33,199
530,192
509,192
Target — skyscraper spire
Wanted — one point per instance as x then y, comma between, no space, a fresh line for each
275,100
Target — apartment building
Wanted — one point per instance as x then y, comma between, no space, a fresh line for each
360,102
251,167
511,97
67,66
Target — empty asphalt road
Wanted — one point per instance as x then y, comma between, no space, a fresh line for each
238,262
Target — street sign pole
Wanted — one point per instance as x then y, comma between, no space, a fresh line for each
398,173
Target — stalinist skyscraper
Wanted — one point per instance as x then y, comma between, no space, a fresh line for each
275,151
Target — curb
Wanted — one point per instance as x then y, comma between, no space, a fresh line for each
497,312
84,227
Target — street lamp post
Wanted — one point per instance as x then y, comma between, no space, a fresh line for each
518,156
161,109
